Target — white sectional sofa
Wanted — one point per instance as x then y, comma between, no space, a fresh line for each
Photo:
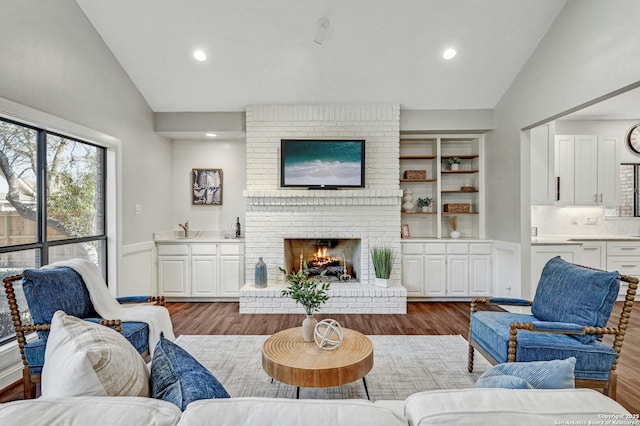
459,407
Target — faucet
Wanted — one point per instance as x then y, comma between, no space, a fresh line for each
185,226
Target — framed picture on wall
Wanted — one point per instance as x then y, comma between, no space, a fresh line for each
405,231
206,187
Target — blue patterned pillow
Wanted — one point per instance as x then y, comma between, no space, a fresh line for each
179,378
573,294
555,374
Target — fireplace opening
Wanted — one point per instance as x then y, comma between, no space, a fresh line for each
339,259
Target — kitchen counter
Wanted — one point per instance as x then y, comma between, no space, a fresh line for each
168,237
579,239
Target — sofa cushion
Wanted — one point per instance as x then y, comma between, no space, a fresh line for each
491,331
50,290
574,294
83,358
280,411
179,378
522,407
89,410
554,374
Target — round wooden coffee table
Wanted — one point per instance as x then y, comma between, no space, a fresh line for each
289,359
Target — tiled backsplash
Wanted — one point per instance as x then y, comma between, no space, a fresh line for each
580,221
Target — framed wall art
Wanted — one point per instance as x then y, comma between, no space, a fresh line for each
206,187
405,233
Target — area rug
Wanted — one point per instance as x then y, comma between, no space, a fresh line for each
402,365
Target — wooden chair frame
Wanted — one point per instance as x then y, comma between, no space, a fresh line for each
31,380
608,386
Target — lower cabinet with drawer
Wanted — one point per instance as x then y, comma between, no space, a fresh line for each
200,269
624,257
446,269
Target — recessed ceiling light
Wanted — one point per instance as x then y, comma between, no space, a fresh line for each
449,54
199,55
210,135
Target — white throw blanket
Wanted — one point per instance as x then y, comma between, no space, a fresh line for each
157,317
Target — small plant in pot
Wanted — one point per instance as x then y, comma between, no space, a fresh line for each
454,163
382,258
424,204
308,292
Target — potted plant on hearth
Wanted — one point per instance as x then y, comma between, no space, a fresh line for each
382,258
454,163
308,292
424,204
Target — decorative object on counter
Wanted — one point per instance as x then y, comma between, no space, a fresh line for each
407,201
454,163
424,204
261,274
206,185
185,227
405,233
382,258
238,231
328,334
457,208
308,292
453,224
415,174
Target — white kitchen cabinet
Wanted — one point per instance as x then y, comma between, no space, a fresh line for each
587,167
624,257
543,191
447,270
541,254
594,254
204,270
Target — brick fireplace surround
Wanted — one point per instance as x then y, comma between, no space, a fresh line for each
371,214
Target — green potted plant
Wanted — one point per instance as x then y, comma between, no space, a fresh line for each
424,204
382,258
308,292
454,163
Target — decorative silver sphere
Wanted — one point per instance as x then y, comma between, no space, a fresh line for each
328,334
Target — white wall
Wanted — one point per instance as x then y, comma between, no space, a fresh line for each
230,156
586,53
54,61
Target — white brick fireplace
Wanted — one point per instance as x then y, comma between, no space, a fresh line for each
371,214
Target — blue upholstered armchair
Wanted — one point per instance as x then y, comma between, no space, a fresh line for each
569,316
49,290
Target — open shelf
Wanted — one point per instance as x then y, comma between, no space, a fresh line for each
417,180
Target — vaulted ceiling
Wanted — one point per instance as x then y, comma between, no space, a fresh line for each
263,52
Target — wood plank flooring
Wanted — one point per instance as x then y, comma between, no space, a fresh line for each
430,318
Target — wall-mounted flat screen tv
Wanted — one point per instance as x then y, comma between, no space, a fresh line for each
324,164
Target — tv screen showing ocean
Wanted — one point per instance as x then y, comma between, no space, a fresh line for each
317,163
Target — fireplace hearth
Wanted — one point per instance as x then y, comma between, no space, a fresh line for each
338,259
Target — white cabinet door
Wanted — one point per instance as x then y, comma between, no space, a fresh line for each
594,254
435,270
173,275
413,274
231,275
457,275
608,172
204,276
564,170
542,166
586,170
479,275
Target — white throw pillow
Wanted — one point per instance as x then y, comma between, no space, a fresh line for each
84,358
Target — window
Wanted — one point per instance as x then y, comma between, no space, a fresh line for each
52,204
629,190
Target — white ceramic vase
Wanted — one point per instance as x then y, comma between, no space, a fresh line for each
308,326
455,166
407,201
455,234
381,282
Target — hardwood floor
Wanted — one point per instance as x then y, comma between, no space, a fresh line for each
422,318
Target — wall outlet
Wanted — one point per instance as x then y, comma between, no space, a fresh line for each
592,221
138,208
534,231
574,220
